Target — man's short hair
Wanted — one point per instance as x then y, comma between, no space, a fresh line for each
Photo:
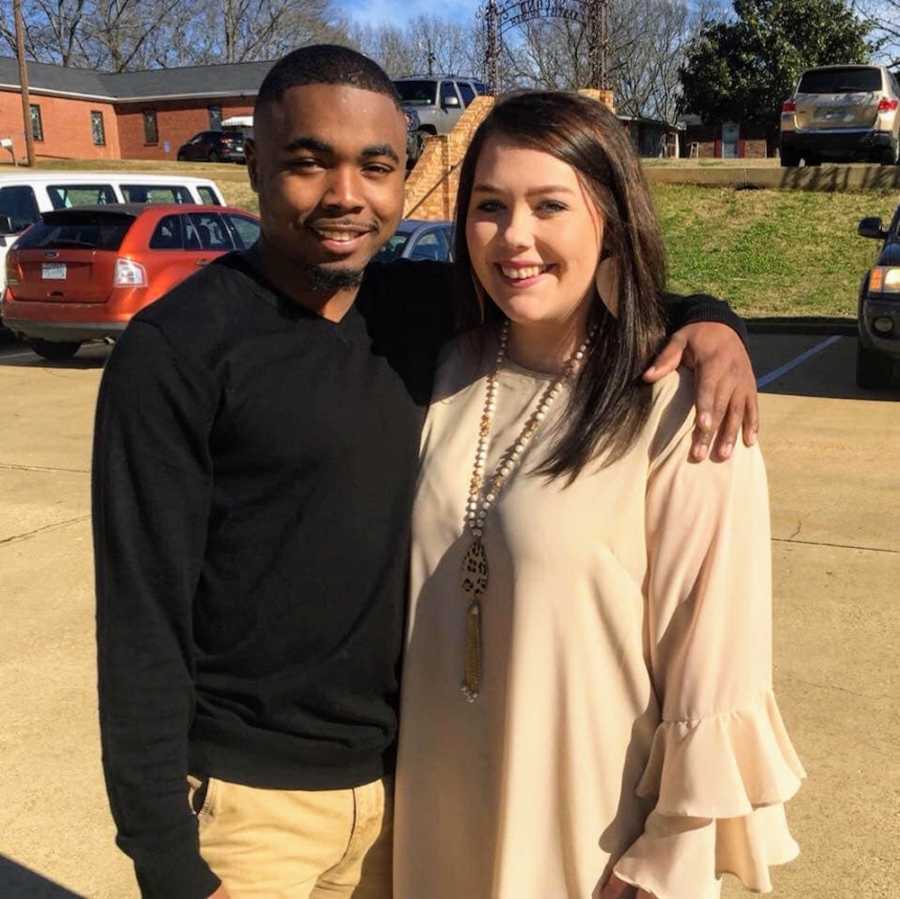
324,64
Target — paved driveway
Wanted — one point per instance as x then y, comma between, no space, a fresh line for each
832,456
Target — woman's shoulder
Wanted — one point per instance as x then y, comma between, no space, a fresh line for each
672,413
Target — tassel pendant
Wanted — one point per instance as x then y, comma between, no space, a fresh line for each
474,584
471,685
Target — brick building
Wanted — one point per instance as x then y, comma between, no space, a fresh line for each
83,114
726,140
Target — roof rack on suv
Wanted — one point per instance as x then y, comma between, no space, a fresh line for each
437,75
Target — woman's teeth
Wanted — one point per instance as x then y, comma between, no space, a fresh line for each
520,274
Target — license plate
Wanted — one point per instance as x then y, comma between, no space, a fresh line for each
53,271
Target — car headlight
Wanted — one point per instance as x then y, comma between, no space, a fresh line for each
884,279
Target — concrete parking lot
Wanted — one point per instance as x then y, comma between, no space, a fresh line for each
832,453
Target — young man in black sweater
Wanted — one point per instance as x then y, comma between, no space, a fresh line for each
254,466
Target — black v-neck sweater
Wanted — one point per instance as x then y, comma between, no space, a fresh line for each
254,470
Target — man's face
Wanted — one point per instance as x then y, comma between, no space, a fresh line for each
328,165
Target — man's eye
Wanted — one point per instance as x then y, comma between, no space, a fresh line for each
307,162
379,169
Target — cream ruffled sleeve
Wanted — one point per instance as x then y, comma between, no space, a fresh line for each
721,763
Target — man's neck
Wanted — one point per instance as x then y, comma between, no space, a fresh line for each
293,281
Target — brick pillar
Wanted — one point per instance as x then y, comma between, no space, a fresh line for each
604,97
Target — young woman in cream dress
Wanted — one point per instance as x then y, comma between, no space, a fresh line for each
587,699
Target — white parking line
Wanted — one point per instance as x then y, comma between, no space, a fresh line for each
771,376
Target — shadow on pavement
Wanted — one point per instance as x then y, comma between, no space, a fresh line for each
17,882
812,365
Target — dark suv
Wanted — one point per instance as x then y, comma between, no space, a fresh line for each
213,146
879,307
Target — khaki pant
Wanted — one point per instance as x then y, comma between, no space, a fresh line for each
297,844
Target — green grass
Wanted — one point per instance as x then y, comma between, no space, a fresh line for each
768,252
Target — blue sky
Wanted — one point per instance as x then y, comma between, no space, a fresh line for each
399,12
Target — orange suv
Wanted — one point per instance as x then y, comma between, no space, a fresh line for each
80,274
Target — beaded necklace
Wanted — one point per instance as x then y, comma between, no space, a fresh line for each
483,494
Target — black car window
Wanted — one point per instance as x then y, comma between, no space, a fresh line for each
156,193
840,81
430,245
468,94
447,91
19,205
246,230
77,230
481,88
393,248
168,234
207,229
64,196
417,93
208,195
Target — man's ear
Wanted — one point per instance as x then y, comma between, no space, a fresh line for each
252,162
606,279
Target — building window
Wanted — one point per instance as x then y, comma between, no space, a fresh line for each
215,118
37,126
151,132
98,132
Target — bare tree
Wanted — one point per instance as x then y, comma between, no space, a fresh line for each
52,30
647,41
427,43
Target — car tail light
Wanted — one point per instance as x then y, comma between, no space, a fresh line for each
129,274
789,106
12,268
887,104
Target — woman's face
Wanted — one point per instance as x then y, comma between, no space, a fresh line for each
534,236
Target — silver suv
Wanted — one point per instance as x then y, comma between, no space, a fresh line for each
842,113
439,100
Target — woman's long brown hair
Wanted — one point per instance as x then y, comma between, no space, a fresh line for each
610,402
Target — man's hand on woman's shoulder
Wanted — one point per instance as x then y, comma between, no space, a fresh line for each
726,386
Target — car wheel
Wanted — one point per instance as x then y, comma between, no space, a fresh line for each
889,156
873,369
812,161
790,159
53,351
181,157
214,156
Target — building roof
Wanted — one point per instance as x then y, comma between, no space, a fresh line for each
225,80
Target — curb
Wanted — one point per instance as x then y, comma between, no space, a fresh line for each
844,327
820,179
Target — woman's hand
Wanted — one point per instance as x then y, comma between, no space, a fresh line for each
618,889
726,387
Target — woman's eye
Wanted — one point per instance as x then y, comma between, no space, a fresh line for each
488,206
552,206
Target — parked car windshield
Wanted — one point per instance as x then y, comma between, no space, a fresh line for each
75,232
840,81
393,248
419,93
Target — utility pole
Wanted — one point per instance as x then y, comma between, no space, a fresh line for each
23,81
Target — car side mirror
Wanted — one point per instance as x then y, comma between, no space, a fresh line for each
451,103
6,225
872,227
